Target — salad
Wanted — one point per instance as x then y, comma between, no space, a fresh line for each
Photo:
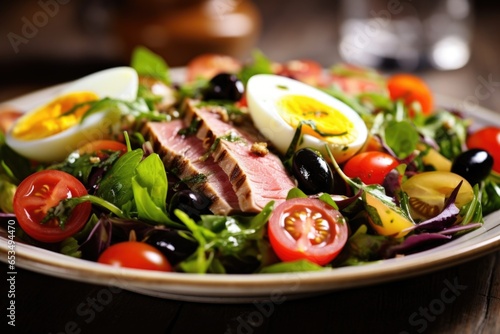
244,167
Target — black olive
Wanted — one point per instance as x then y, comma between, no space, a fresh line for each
473,165
174,246
224,86
312,172
190,202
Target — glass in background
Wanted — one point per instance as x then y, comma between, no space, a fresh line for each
406,35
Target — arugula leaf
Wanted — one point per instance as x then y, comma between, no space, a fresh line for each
448,130
149,186
148,63
260,65
13,165
116,186
401,137
295,193
291,267
227,244
362,247
81,166
490,196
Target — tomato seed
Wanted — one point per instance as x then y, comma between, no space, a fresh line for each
424,208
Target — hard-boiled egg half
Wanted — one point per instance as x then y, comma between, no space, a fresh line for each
279,104
52,131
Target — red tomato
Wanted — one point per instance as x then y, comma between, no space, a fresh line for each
100,146
487,139
354,80
411,89
305,70
307,228
206,66
371,167
41,191
134,254
7,118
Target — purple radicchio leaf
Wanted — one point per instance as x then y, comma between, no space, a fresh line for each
460,228
98,239
123,227
417,243
343,202
392,182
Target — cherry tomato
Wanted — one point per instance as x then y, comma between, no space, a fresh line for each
206,66
99,147
134,254
41,191
7,118
307,228
371,167
411,89
305,70
487,139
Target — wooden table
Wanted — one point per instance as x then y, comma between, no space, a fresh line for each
460,299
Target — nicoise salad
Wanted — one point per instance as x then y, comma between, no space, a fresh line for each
244,167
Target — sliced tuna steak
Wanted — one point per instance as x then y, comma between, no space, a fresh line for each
256,179
182,156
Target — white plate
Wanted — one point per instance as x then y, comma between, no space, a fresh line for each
250,288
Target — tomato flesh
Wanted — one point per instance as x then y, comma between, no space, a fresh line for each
411,89
7,118
305,70
41,191
100,147
134,254
488,139
306,228
371,167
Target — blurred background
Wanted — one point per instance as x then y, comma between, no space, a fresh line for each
453,44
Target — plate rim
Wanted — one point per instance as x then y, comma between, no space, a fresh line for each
231,288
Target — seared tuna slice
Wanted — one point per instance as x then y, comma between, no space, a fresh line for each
256,179
183,156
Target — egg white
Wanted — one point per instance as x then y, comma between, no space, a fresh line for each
117,83
265,90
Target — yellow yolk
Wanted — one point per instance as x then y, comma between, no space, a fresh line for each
331,125
49,119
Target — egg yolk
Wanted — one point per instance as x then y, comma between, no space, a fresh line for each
58,115
326,123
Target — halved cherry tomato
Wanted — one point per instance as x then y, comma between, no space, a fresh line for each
100,147
305,70
371,167
488,139
307,228
134,254
410,89
206,66
41,191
